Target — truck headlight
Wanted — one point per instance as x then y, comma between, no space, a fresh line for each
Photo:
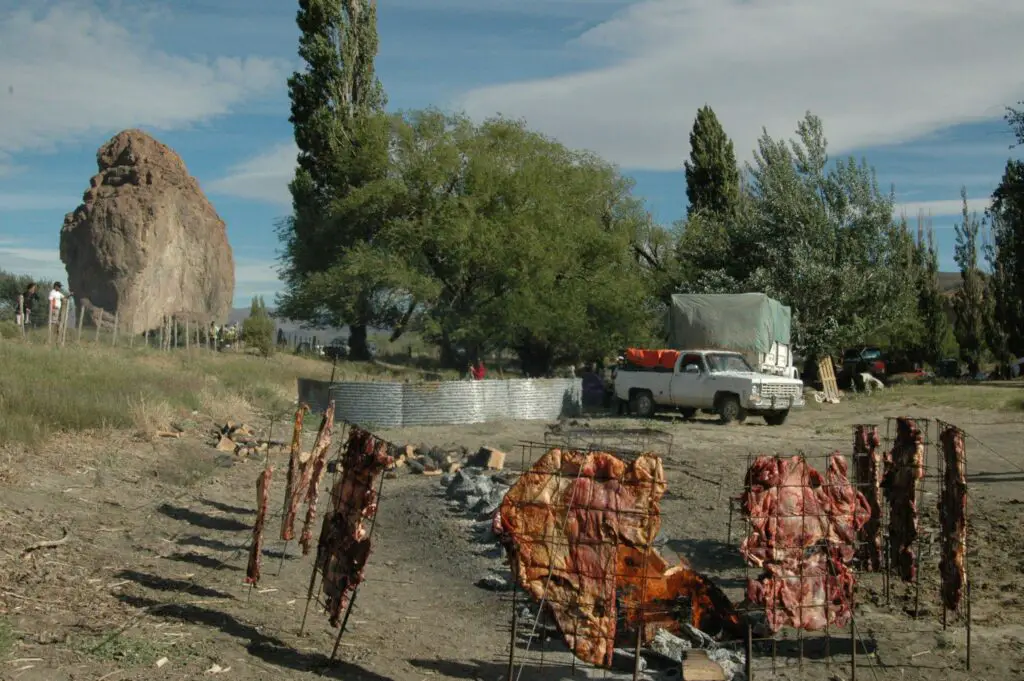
755,391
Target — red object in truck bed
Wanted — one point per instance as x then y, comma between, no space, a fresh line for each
650,359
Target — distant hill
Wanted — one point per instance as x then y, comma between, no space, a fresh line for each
949,281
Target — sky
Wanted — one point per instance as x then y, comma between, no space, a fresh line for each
917,87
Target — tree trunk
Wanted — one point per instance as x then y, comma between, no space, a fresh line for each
357,346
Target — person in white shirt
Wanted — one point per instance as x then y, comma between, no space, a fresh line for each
56,302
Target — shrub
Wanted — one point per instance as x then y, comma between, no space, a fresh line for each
258,328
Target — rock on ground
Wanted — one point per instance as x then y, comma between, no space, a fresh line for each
146,242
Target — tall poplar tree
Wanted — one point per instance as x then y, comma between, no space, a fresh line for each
341,132
969,301
712,176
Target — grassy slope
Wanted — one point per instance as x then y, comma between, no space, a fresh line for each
46,390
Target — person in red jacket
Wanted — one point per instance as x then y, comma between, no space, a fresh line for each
479,370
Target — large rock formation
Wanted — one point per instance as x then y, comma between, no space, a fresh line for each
146,242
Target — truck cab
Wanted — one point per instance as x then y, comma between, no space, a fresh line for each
711,381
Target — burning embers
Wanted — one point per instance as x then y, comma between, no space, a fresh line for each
803,531
579,528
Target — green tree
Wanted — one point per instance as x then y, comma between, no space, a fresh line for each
969,301
1005,256
712,176
258,328
937,339
506,240
820,236
342,137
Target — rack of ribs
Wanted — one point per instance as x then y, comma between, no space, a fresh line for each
904,471
299,487
953,518
867,461
803,532
252,572
344,544
563,522
296,469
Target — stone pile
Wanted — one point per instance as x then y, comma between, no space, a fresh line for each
241,440
424,460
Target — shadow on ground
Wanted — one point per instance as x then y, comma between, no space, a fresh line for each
157,583
270,649
203,520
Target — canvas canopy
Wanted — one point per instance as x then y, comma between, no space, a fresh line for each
743,322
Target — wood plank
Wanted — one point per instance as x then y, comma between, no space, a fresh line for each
698,667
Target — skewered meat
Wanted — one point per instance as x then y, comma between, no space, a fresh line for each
812,593
867,460
300,483
953,518
252,572
294,472
318,464
901,487
803,529
344,544
562,521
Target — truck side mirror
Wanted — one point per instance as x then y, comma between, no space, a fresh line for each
692,369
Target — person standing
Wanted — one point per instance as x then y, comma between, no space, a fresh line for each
479,370
29,302
56,301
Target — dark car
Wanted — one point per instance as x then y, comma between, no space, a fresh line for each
863,360
336,349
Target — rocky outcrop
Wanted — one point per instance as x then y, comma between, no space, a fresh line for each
146,242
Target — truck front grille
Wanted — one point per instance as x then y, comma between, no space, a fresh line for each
771,390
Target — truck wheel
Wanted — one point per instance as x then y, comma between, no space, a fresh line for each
776,418
729,410
687,412
642,404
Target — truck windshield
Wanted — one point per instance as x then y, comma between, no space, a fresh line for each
719,362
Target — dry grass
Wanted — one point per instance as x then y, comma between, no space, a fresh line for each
995,396
47,390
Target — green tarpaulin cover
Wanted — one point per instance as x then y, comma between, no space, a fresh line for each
743,322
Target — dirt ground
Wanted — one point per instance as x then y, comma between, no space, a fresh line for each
155,557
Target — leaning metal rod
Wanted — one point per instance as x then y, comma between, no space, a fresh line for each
643,588
309,593
512,637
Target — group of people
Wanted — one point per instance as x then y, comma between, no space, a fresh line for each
28,303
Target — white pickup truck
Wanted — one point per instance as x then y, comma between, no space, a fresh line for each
712,381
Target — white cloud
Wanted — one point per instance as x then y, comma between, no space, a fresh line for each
951,207
876,71
37,202
252,277
262,178
43,263
68,70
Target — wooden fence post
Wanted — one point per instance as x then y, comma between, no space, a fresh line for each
81,323
114,339
131,333
174,331
97,319
188,335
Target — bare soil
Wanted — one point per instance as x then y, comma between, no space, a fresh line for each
154,563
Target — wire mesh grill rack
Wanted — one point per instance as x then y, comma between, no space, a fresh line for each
587,577
801,519
357,482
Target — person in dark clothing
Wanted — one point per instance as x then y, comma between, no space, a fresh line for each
29,302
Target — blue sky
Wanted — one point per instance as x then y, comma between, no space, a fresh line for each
621,77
